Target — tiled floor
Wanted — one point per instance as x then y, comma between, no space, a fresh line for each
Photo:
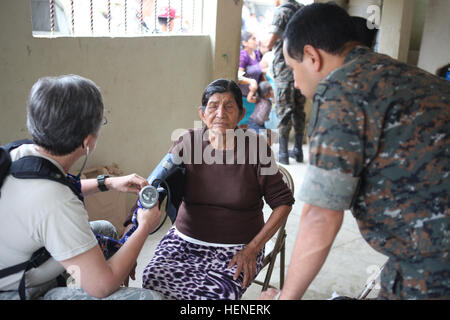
350,264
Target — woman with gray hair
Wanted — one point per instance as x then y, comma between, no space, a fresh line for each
64,118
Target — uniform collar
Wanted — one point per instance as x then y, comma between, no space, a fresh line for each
356,52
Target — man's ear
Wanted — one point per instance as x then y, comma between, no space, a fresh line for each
313,58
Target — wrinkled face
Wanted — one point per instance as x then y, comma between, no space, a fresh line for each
221,113
305,79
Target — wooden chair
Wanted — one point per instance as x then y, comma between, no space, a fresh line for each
280,244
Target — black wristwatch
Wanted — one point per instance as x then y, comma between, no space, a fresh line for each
101,182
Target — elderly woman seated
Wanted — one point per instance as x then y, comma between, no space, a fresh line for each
216,247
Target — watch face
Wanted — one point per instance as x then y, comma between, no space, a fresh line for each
148,197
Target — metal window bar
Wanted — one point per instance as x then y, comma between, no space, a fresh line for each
91,11
109,16
125,9
72,17
155,6
52,17
186,19
141,15
181,15
168,17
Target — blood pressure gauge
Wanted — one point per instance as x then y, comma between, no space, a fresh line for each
148,196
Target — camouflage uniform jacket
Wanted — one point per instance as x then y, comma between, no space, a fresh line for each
281,18
380,145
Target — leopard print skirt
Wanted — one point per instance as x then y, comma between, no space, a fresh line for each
183,270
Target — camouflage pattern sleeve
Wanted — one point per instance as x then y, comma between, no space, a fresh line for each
386,123
280,20
336,151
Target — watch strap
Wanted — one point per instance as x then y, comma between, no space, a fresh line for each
101,182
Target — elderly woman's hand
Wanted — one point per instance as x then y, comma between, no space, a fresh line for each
149,218
269,294
246,262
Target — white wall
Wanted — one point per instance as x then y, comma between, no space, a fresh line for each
435,48
222,20
150,85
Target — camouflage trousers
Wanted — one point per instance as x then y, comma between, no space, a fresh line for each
290,108
424,278
51,291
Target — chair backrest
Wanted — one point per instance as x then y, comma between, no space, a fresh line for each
290,183
279,242
287,178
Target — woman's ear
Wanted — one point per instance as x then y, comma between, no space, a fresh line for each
201,113
241,114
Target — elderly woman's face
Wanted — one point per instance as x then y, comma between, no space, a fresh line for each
221,112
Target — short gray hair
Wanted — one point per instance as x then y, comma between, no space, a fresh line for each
63,111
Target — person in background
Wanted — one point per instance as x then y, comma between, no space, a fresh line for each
444,72
365,35
263,105
166,20
289,101
249,67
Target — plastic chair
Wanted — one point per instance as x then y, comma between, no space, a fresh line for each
280,243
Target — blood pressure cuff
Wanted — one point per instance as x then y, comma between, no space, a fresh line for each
168,178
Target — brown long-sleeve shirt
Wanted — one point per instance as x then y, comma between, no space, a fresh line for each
223,201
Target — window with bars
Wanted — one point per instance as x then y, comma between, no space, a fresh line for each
115,18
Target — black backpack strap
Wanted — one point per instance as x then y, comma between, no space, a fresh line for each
5,164
37,259
5,158
12,145
31,167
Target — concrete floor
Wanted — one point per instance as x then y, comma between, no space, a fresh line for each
350,264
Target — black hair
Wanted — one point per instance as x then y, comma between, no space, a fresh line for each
245,35
264,88
222,86
442,72
163,20
324,26
63,111
365,35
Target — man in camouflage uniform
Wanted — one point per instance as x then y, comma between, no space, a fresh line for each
288,100
380,146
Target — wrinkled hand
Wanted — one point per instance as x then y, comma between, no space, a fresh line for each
269,294
149,218
246,263
132,183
